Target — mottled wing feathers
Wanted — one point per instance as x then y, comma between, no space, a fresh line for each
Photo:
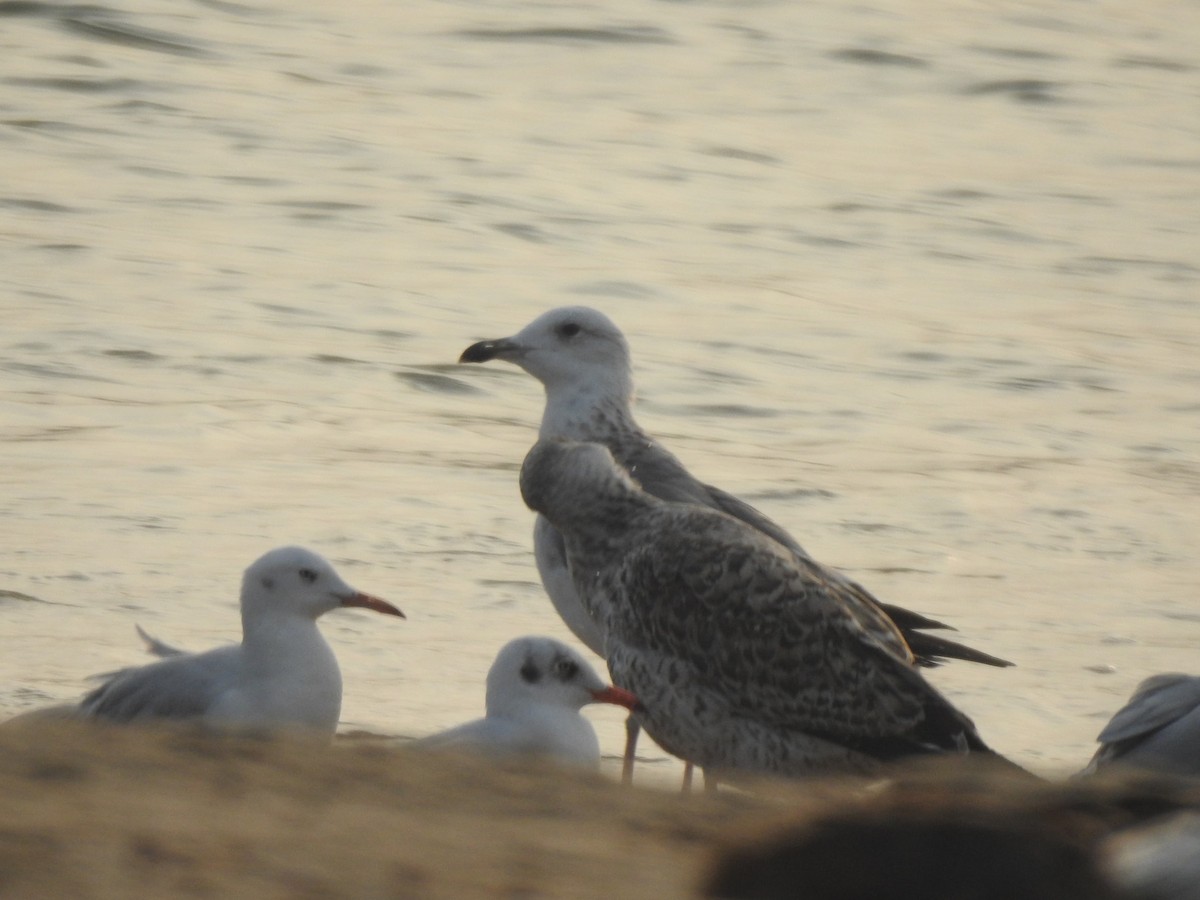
662,475
773,641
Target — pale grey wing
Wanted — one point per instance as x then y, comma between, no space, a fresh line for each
776,640
1158,701
550,553
181,687
158,648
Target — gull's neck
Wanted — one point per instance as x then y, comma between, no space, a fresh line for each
278,641
289,675
588,412
504,705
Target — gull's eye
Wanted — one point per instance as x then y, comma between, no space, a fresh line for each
565,669
308,576
569,329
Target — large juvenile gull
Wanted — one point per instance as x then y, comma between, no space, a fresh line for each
582,360
746,657
1159,728
535,690
283,673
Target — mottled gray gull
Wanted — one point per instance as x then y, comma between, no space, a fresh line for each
535,690
283,673
582,360
1158,729
745,656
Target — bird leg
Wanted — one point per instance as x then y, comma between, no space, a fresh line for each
632,728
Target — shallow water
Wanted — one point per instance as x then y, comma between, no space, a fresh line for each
918,280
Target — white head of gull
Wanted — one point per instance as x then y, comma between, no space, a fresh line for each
282,674
582,360
535,690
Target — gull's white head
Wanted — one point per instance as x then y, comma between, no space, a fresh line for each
293,581
574,351
532,672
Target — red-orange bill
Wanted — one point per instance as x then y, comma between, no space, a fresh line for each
619,696
366,601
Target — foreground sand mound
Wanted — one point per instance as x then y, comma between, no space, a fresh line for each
97,812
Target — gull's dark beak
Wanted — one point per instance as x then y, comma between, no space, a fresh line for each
502,348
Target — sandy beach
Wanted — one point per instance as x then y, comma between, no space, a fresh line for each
97,812
111,812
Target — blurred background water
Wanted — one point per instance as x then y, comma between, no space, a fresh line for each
918,279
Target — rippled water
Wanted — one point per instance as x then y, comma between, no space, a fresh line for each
919,280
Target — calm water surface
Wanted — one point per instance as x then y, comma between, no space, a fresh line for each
919,279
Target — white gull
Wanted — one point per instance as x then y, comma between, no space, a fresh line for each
283,673
1158,729
535,690
746,658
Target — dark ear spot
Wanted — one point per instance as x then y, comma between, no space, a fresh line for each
530,672
566,669
269,583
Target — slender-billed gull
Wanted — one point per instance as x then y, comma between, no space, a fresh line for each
535,691
1159,728
283,673
745,656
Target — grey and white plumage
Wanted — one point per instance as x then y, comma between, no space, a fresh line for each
282,674
535,690
1158,729
582,360
745,656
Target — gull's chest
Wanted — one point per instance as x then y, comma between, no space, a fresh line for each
294,683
